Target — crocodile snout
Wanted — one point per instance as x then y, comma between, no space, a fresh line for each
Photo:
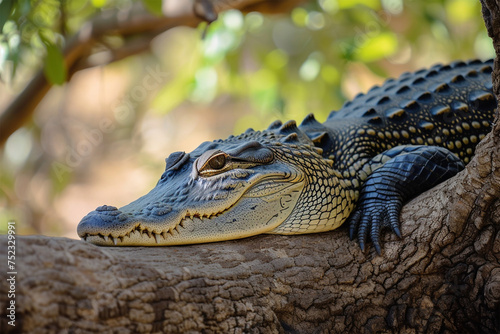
103,220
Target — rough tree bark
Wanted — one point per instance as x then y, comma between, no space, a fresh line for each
443,276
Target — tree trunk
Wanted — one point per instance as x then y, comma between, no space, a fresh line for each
443,276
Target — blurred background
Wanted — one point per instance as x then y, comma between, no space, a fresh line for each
102,137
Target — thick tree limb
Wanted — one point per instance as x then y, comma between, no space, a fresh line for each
444,276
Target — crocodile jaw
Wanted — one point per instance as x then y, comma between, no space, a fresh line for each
264,204
229,226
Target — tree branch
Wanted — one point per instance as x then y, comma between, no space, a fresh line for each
442,277
134,21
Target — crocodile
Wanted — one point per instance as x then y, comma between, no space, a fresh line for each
361,165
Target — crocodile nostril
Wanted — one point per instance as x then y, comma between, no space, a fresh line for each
161,211
106,208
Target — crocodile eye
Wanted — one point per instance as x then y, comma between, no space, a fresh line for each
217,162
212,162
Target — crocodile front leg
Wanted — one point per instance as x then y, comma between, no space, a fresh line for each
404,172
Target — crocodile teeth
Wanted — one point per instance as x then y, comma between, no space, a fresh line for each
106,238
157,237
164,235
115,240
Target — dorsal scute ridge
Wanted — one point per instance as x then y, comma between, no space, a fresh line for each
324,140
275,125
292,138
319,138
437,81
289,132
332,113
292,133
309,120
288,127
318,133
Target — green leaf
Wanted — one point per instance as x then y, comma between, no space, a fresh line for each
5,10
15,58
378,47
345,4
154,6
98,3
54,68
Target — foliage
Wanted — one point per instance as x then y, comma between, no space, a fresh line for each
289,66
30,28
38,27
282,66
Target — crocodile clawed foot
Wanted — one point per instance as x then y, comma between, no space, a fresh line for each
371,216
410,170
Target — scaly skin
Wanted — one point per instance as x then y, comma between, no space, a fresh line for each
367,159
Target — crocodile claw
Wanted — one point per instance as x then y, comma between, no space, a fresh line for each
409,171
372,215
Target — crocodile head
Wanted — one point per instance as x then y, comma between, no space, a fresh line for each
247,185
